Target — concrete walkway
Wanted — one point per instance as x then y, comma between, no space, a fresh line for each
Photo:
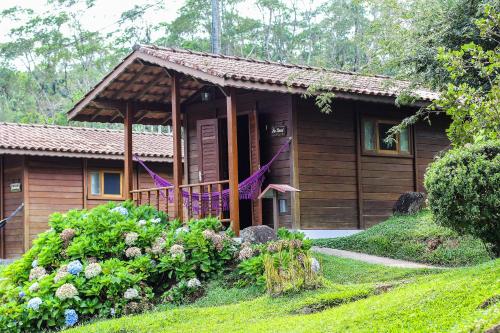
370,259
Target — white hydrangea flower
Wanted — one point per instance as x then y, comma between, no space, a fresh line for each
131,293
142,223
37,273
66,291
181,229
131,237
61,273
35,303
194,283
156,220
158,245
133,252
245,253
34,263
92,270
34,287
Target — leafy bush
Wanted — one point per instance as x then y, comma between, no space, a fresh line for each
109,261
464,191
280,266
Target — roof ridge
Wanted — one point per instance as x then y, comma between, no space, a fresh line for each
89,129
260,61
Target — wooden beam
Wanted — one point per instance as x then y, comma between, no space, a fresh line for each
130,82
232,143
118,115
85,181
151,84
413,137
128,162
186,146
26,215
359,178
176,127
294,165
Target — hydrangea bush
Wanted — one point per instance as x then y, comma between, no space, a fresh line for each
109,261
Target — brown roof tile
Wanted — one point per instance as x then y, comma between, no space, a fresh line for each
280,74
45,140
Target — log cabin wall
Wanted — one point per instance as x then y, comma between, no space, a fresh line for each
327,166
272,108
55,184
342,189
14,229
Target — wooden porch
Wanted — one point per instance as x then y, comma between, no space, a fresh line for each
142,92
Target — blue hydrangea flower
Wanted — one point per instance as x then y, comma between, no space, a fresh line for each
34,263
22,294
70,317
121,210
75,267
35,303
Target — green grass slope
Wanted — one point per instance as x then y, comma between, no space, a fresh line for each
420,301
415,238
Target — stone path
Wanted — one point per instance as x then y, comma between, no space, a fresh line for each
371,259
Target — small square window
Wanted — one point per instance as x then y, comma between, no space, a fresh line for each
373,138
105,184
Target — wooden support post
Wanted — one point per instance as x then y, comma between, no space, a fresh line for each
85,179
176,127
294,165
232,143
26,200
359,187
128,162
276,221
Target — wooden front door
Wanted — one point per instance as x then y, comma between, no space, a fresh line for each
208,153
253,124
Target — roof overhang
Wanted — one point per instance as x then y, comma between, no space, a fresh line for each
143,81
25,152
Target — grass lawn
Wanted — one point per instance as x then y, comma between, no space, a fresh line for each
357,297
416,238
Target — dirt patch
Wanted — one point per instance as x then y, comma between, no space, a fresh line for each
327,304
433,244
489,302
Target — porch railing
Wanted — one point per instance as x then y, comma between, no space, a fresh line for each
158,197
155,196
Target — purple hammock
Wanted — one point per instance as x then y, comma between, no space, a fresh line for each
248,189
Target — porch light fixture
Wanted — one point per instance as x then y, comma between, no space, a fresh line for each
205,96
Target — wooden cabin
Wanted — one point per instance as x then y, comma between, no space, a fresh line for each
55,169
234,114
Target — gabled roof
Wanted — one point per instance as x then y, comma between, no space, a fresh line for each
235,69
66,141
143,79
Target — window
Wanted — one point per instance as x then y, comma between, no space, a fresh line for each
105,184
374,132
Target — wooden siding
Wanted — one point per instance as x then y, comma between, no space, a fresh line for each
14,230
327,166
271,108
56,185
430,140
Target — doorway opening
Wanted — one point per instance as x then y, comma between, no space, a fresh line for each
244,167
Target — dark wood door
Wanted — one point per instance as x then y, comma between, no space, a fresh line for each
208,153
253,122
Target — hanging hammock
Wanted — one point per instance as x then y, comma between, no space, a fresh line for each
14,213
248,189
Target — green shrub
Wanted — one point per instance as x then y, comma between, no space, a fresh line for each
109,261
464,191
